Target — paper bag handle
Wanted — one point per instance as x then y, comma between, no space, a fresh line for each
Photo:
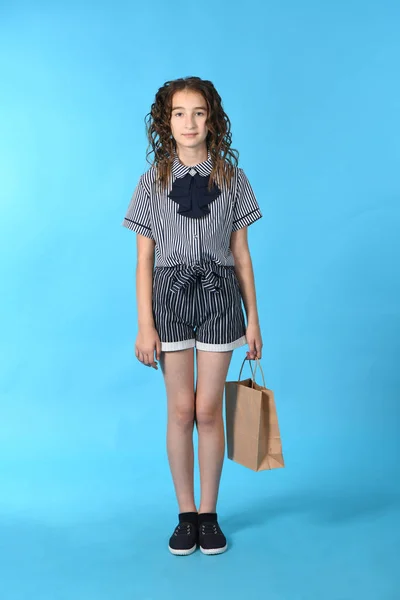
258,364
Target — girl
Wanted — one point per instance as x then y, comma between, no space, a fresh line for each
191,210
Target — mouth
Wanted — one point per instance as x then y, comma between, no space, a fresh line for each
189,134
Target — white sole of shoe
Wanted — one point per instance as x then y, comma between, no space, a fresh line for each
182,552
214,550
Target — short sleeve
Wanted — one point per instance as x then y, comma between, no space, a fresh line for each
246,209
137,217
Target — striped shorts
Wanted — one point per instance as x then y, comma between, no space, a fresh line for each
198,306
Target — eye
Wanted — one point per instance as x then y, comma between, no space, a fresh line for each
180,113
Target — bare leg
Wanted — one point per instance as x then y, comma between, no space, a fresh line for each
178,371
212,370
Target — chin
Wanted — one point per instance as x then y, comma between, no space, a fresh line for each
197,141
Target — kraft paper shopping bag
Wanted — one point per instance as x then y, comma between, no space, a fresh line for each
252,429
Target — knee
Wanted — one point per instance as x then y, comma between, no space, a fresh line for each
208,417
183,416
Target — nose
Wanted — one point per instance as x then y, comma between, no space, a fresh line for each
190,123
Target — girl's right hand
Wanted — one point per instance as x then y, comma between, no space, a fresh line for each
147,342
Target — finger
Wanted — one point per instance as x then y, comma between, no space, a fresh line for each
249,344
136,352
153,362
158,349
154,356
252,348
258,348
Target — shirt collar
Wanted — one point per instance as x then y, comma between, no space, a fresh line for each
180,170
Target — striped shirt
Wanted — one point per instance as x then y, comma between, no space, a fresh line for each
181,240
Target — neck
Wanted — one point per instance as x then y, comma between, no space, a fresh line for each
192,156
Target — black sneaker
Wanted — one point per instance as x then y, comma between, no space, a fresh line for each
184,539
211,538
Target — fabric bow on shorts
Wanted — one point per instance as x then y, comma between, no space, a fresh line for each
209,275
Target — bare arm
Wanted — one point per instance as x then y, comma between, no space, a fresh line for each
144,279
147,340
245,274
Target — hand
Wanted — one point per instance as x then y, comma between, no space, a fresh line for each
148,342
254,340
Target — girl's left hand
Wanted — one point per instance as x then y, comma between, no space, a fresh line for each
254,340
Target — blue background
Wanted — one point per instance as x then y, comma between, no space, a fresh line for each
87,502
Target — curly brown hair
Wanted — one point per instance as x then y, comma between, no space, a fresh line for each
218,140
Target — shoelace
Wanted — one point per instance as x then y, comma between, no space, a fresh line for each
210,527
183,529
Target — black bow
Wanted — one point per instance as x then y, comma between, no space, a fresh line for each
192,195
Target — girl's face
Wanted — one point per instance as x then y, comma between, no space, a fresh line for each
188,119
